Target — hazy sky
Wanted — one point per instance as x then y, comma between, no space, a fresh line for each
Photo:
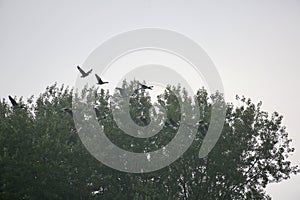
255,46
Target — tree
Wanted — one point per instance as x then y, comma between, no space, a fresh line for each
42,157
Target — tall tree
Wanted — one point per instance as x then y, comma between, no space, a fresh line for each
42,157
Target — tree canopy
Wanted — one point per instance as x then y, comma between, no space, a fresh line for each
42,156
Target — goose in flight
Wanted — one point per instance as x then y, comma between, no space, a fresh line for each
145,86
100,82
83,73
13,102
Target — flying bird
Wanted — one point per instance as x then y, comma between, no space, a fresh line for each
83,73
145,86
13,102
100,82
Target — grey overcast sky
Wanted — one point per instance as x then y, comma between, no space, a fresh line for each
255,46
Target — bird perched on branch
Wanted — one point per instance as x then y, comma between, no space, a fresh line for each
100,82
83,73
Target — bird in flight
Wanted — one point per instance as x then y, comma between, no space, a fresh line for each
100,82
13,102
145,86
83,73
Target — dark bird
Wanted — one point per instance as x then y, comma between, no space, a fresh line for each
100,82
122,91
13,102
145,86
67,110
83,73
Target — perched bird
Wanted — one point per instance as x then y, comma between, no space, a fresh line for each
100,82
13,102
145,86
67,110
122,91
83,73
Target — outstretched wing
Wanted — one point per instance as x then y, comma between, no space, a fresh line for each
145,86
81,70
98,78
89,71
13,101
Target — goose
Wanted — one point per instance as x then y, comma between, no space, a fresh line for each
83,73
145,86
13,102
100,82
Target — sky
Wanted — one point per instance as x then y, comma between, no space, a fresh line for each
254,45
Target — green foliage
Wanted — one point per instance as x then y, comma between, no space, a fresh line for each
42,157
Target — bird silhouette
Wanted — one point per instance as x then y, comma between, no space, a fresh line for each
13,102
100,82
122,91
145,87
83,73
